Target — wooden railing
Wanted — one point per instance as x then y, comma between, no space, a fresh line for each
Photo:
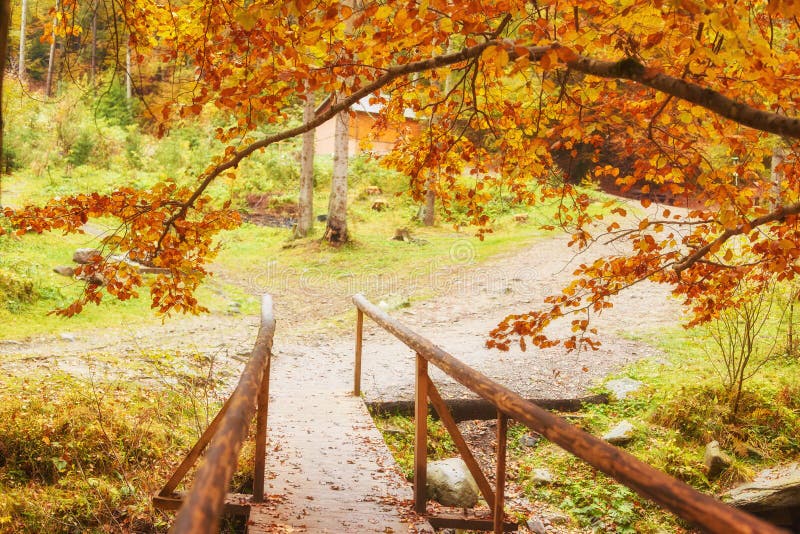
201,508
671,494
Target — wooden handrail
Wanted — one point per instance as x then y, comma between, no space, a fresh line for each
202,507
671,494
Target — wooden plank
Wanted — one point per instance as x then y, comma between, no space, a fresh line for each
328,467
261,436
359,342
498,511
467,521
460,443
669,493
421,436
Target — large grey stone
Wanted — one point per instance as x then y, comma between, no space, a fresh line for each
450,483
542,477
536,525
622,386
621,434
715,459
86,255
772,490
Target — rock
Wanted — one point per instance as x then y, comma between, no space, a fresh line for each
622,386
772,490
86,255
529,440
322,218
715,459
380,204
402,234
64,270
451,484
559,519
541,477
67,336
536,525
621,434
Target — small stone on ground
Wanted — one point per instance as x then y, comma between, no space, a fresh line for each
621,434
621,387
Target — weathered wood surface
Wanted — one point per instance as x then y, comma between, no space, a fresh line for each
678,497
205,501
328,469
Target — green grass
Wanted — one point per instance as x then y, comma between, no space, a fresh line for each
680,410
32,259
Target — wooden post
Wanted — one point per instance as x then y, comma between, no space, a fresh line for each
359,337
261,435
421,436
500,483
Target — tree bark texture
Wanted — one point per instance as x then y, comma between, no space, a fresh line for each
128,79
23,23
305,215
5,23
51,62
336,231
93,67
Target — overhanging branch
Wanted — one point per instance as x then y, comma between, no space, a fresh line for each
779,214
628,69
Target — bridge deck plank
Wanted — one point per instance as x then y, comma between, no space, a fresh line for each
328,470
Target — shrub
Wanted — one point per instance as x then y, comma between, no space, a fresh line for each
80,456
745,338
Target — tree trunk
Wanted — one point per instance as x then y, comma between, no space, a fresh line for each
128,79
429,210
51,62
23,22
776,175
5,22
305,216
93,67
336,231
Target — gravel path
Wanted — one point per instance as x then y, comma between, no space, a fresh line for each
454,303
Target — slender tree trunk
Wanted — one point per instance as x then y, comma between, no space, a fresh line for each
336,231
305,216
5,23
128,79
429,211
93,67
23,22
51,62
776,174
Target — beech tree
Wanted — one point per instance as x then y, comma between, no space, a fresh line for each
690,97
305,204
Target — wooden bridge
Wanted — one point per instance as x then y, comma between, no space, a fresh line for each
325,467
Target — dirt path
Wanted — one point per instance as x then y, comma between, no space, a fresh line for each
454,303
